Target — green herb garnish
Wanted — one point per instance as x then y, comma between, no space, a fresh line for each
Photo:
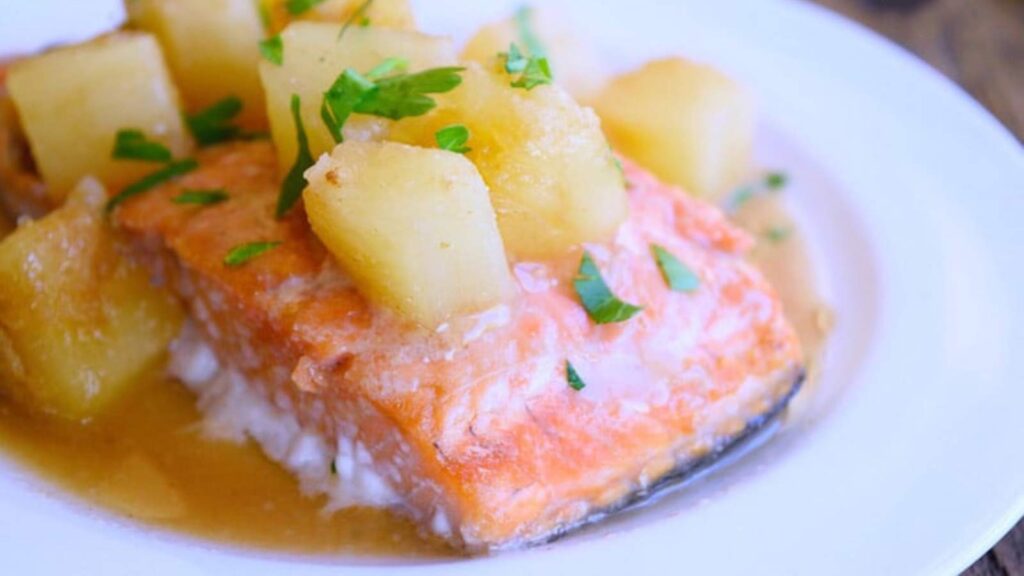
573,377
358,16
239,255
386,67
150,181
334,466
777,234
201,197
130,144
453,138
340,101
296,7
272,50
677,275
770,182
214,124
395,97
529,38
295,182
404,95
601,304
533,70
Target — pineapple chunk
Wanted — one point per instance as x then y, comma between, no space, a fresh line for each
687,123
412,226
313,59
72,102
212,47
381,13
554,181
78,324
575,63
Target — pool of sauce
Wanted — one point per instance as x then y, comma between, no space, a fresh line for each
146,459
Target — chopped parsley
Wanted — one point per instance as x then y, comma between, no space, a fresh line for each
296,7
295,182
533,70
215,124
770,182
130,144
601,304
573,377
529,38
394,97
359,16
334,466
386,67
676,274
453,138
201,197
777,234
242,254
340,101
272,50
150,181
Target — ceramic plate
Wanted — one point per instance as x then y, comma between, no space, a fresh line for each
901,461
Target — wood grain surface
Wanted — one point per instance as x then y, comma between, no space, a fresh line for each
980,45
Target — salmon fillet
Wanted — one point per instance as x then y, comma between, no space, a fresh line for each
473,426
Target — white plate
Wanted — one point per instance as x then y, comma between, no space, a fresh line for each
907,461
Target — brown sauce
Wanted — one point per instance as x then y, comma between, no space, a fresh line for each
146,459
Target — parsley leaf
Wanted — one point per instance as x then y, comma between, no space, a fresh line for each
358,16
573,377
150,181
130,144
272,50
296,7
295,182
533,71
395,97
387,67
601,304
515,62
677,275
201,197
777,234
341,99
770,182
214,124
524,24
453,138
239,255
405,95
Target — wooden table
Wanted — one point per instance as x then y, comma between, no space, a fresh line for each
980,45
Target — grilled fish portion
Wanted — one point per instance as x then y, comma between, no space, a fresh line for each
473,426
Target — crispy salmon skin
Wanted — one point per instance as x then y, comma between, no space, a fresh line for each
474,425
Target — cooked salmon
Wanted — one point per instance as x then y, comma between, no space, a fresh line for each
473,426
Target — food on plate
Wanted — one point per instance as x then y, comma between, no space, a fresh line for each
277,14
79,324
575,63
413,227
687,122
314,57
209,47
554,181
70,110
441,287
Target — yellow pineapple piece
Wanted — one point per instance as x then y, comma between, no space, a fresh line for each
414,228
78,324
73,101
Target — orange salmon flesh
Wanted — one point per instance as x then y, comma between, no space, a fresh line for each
474,423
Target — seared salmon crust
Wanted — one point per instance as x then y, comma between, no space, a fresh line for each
473,426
